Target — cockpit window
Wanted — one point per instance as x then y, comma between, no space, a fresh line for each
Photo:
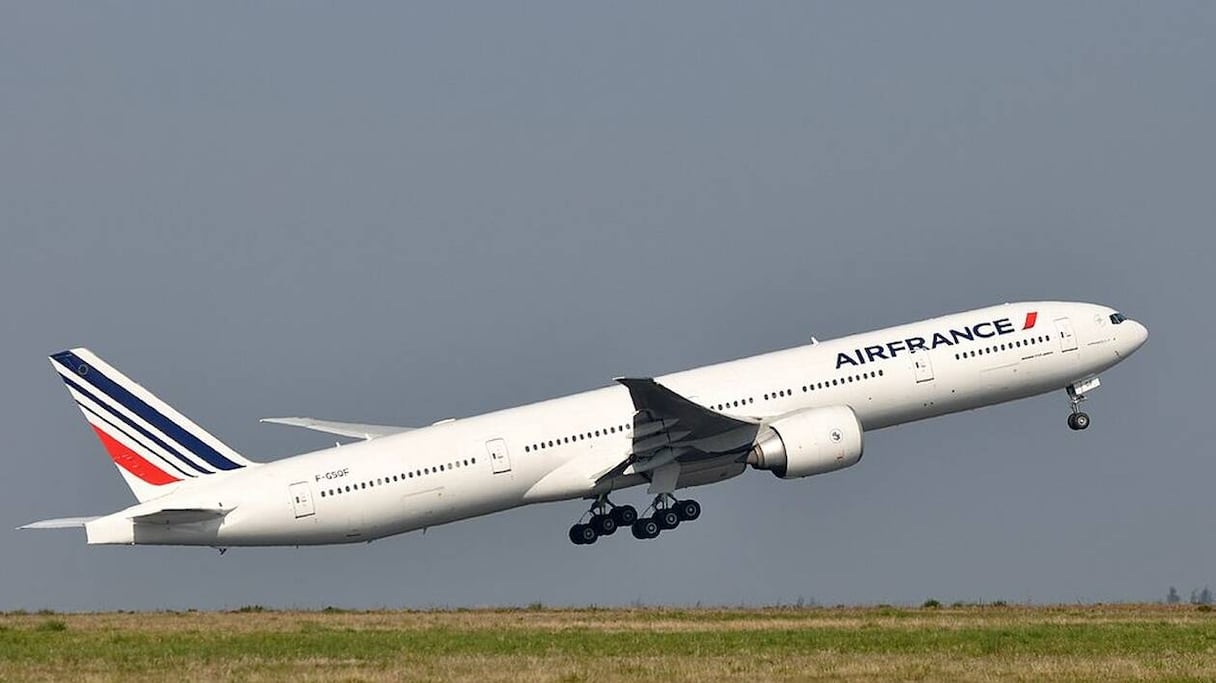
1117,318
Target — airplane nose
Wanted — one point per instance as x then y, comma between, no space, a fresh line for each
1131,337
1139,334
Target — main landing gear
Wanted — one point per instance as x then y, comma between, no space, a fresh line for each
1079,420
668,513
606,518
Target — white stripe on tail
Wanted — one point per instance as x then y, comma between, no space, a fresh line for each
155,448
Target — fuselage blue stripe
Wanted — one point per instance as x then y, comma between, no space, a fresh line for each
120,430
146,412
127,421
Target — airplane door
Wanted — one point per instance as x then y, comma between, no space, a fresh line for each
1068,340
500,461
301,499
922,367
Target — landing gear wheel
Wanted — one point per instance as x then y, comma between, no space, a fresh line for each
1078,421
688,510
667,519
604,525
625,515
645,528
582,534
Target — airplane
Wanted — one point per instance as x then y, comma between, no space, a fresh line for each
795,413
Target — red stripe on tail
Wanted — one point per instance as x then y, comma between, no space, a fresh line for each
1031,317
130,461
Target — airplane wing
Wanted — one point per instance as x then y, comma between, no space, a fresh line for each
668,427
352,429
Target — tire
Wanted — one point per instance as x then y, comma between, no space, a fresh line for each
583,534
625,515
645,528
576,534
604,525
688,510
667,519
1080,421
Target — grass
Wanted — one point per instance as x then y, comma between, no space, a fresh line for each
978,643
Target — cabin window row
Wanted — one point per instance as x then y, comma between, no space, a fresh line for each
734,404
838,381
381,481
562,440
1041,339
813,386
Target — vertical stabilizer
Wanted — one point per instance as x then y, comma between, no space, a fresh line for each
154,447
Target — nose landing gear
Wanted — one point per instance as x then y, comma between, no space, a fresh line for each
1079,420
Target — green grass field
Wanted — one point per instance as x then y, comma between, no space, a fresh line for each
1122,642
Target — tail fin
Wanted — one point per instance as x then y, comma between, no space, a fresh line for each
154,447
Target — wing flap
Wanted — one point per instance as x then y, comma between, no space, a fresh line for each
669,428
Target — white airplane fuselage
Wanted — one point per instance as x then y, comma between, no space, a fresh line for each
505,459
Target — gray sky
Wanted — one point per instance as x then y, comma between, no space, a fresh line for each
399,213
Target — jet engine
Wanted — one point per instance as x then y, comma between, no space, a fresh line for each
808,442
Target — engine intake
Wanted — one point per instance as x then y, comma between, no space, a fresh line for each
809,442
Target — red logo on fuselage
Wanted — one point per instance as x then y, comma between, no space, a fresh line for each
1031,317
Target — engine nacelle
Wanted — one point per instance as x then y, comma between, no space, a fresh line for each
809,442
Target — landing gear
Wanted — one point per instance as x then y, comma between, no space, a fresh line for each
1079,420
667,515
606,518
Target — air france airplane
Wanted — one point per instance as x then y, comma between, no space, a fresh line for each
796,413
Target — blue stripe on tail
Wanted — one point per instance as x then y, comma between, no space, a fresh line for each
133,425
146,412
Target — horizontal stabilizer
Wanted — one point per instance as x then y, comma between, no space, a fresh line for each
61,523
352,429
179,516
